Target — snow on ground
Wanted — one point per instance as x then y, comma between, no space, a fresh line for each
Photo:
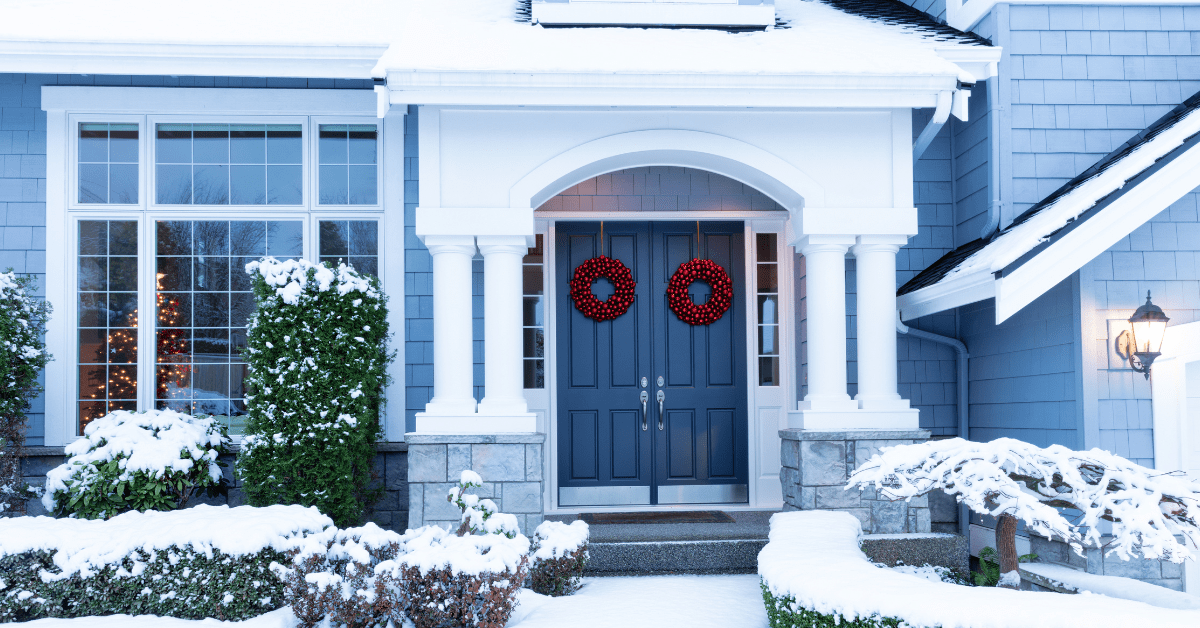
814,556
281,618
1115,586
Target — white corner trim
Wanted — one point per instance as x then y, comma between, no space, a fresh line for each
946,294
209,101
299,61
1095,235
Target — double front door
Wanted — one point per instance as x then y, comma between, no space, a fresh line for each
651,409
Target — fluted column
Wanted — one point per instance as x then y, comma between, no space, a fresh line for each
875,258
502,325
825,297
452,355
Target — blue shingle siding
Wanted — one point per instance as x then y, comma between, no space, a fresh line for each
418,288
935,8
23,167
1022,372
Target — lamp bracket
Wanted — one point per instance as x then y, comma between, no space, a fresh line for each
1124,345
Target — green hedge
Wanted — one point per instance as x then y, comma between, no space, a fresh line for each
173,583
783,612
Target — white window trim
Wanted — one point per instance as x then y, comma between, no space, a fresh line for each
66,106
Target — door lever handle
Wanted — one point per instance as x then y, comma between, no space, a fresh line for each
661,396
645,396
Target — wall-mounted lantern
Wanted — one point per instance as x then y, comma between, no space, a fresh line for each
1141,343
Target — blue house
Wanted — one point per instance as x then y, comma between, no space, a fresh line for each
1011,179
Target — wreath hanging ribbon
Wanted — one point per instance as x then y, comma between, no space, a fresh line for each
585,300
718,302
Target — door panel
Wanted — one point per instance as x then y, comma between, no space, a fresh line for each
605,457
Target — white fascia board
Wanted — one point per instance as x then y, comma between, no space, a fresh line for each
653,14
1088,238
946,294
288,61
981,62
414,87
215,101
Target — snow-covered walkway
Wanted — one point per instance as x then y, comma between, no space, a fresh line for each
649,602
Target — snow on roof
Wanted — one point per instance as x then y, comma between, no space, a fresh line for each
819,38
1070,204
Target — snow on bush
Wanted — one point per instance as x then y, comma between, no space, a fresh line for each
126,461
22,355
479,516
560,553
1146,509
207,561
814,574
316,350
334,574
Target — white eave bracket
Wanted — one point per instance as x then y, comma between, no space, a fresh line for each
981,62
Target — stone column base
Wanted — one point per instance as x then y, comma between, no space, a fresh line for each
510,465
816,464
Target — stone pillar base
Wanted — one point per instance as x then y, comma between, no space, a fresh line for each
510,465
816,464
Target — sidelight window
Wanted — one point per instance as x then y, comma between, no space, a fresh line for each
534,324
767,279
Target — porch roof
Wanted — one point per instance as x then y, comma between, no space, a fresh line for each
374,38
1068,228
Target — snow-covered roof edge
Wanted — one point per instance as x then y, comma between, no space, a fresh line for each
1071,226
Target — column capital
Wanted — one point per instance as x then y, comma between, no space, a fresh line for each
824,244
505,244
896,241
438,244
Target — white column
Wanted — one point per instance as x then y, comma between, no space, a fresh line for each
502,349
875,258
825,298
452,356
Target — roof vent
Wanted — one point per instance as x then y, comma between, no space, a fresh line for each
662,13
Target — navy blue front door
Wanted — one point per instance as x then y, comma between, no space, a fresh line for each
690,447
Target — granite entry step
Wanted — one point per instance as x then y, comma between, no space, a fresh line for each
674,542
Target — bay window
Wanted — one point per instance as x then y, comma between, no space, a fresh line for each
164,214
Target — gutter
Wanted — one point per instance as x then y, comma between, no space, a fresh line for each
940,115
997,204
964,427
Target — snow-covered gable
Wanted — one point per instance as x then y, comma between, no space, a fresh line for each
1077,222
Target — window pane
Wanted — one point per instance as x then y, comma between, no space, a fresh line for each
108,163
348,157
223,164
362,144
355,242
334,181
334,144
203,303
108,317
334,239
768,309
364,237
363,188
532,316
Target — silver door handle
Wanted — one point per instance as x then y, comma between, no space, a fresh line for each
645,396
661,397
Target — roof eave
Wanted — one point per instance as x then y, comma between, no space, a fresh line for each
952,292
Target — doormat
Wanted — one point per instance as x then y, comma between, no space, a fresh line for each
692,516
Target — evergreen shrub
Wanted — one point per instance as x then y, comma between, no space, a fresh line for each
784,612
316,350
22,355
560,553
156,460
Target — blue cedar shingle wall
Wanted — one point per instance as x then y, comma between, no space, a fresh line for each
936,8
418,288
23,166
1084,79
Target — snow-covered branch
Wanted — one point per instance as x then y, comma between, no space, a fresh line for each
1147,509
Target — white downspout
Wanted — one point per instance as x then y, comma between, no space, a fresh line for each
997,204
940,115
964,427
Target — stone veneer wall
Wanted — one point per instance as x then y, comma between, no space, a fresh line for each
816,465
510,465
1163,573
391,469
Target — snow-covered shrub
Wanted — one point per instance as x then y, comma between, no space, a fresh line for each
559,556
989,567
332,575
479,516
207,561
455,581
22,355
1010,479
316,350
154,460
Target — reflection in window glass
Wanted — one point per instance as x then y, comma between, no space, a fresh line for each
355,242
108,163
108,318
534,324
347,171
768,310
203,300
228,164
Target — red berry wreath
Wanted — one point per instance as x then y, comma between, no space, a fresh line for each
585,300
710,273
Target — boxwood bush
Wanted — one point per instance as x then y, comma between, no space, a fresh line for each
784,612
22,355
317,356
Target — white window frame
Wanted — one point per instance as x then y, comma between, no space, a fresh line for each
67,106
